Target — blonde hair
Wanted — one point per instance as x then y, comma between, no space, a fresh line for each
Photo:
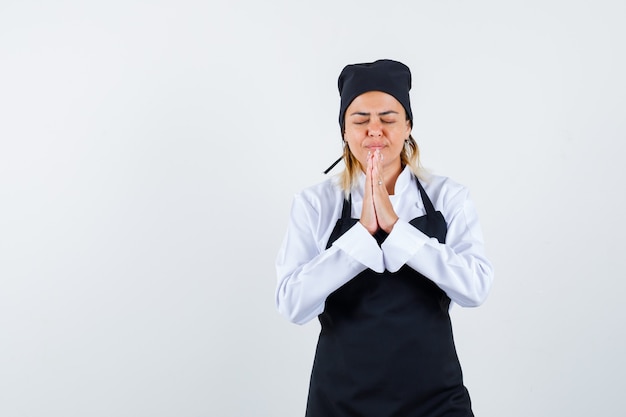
410,156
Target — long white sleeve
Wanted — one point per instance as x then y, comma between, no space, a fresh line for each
307,272
459,267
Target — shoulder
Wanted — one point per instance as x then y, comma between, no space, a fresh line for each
442,184
322,195
444,192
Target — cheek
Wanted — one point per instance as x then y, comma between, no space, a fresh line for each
352,141
356,149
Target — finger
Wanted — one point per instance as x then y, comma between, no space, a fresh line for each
377,172
368,172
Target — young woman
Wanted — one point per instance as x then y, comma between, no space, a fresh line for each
377,254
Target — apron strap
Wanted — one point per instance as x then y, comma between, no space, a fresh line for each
346,211
428,205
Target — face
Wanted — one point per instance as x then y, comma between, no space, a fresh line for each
376,120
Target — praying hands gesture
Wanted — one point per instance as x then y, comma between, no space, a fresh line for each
377,213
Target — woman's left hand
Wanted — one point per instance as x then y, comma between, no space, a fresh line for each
385,214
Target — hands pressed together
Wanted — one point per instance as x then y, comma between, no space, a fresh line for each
377,213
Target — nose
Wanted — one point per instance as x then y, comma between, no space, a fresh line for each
375,129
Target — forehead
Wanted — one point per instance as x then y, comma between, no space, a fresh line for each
375,101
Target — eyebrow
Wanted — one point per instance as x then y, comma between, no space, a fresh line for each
384,113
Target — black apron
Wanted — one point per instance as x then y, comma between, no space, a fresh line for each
385,347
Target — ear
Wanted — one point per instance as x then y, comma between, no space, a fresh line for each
408,128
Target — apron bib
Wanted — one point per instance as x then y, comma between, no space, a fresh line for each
386,347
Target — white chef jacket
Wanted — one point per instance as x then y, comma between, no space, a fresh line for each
308,273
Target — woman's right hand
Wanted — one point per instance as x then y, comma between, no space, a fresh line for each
378,212
368,213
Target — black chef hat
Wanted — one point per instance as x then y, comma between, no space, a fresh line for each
391,77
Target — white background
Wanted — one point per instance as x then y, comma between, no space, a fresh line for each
149,151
